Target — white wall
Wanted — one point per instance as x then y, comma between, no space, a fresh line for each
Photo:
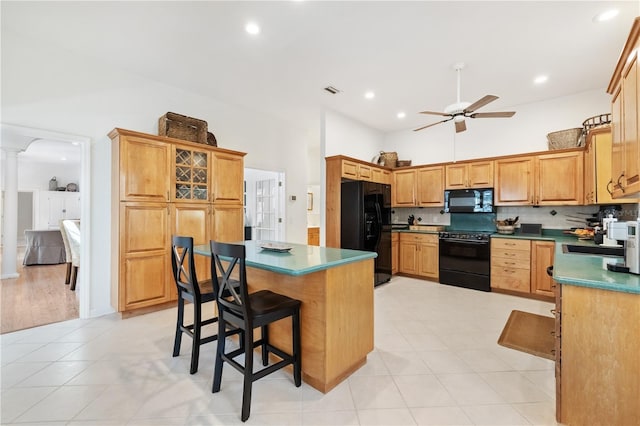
344,136
525,132
50,88
36,175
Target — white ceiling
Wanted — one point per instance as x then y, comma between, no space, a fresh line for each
403,51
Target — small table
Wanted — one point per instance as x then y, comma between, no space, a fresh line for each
43,247
335,287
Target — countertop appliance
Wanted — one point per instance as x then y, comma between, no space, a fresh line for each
627,232
469,201
365,222
465,259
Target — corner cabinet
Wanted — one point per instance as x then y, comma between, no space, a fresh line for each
624,118
163,186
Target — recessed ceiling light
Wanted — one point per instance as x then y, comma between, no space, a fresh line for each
75,143
401,115
606,15
63,158
252,28
369,95
541,79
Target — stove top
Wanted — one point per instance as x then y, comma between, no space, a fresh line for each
466,235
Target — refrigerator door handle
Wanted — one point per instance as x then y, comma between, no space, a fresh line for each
378,225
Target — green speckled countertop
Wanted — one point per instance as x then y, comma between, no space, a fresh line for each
300,260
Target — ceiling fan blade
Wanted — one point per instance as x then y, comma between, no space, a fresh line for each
480,103
444,114
503,114
433,124
460,126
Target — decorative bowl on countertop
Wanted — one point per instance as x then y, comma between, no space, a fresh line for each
505,229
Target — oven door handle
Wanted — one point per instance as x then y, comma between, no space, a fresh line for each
449,240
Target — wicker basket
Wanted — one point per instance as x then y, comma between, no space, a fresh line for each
403,163
388,159
569,138
182,127
505,229
596,121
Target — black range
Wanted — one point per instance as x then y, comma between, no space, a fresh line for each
465,259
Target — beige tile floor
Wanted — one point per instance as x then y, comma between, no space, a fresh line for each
436,362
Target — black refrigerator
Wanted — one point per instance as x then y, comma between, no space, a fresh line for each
365,222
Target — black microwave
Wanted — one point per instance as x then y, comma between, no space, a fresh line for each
478,200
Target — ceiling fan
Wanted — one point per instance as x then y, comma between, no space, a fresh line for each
461,110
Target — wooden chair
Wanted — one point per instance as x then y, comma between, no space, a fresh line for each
194,291
248,312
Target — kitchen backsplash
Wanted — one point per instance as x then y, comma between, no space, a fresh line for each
564,217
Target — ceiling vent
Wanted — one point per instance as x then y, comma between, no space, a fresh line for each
332,90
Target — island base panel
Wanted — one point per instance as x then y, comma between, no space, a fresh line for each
336,318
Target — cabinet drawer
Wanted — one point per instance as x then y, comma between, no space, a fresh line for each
510,254
511,279
510,244
419,238
500,262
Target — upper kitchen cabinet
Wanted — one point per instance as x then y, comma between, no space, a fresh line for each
514,181
477,174
541,180
190,178
624,110
227,170
144,166
430,186
598,160
403,190
560,179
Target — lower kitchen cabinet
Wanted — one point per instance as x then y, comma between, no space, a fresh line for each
395,243
542,257
418,255
313,236
599,367
510,264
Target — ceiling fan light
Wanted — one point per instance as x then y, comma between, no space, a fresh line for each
458,118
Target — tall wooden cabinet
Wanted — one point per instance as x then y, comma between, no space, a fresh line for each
625,118
163,186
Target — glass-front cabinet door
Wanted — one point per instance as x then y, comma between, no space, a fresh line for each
191,175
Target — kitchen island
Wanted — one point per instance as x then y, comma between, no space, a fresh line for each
335,287
598,339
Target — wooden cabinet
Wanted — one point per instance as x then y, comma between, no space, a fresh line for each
403,190
143,169
430,186
511,264
477,174
598,160
599,377
356,171
542,180
144,262
381,176
313,236
395,249
559,179
624,110
161,187
418,255
542,253
514,181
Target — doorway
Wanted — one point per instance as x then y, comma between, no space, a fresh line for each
264,206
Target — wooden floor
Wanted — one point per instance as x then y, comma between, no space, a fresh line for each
39,296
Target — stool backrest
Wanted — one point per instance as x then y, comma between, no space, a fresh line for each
232,294
183,265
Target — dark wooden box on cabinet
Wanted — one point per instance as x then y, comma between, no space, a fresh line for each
182,127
